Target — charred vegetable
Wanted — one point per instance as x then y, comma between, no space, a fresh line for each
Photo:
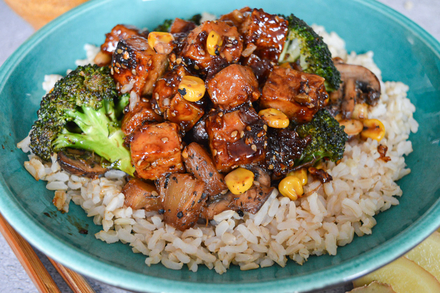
307,47
80,113
327,138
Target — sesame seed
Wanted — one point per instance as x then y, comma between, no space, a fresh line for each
154,164
119,51
220,114
126,56
265,127
270,167
154,193
133,71
241,134
254,148
248,128
214,152
234,133
164,139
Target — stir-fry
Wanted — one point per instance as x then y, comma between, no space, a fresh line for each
207,117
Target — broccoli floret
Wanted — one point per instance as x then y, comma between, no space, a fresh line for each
314,56
166,25
80,113
327,138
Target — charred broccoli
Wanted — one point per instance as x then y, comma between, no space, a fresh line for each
80,113
314,56
327,138
164,27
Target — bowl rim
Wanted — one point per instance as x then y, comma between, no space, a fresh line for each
80,261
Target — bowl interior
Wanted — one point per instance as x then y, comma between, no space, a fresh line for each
402,50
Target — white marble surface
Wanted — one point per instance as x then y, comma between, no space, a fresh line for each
14,31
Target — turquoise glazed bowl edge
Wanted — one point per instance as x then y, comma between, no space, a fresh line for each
27,205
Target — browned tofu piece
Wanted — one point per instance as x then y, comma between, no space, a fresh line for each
182,198
166,88
297,94
264,34
141,195
233,86
199,163
184,113
181,26
156,150
119,32
236,17
261,67
236,138
136,67
195,48
143,112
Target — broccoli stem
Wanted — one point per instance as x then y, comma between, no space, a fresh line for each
98,136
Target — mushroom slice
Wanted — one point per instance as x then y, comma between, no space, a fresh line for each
141,195
81,163
359,85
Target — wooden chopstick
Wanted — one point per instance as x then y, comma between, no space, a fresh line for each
28,259
75,281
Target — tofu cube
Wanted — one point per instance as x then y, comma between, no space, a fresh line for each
156,150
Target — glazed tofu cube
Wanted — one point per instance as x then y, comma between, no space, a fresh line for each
136,67
182,198
228,52
142,112
264,32
184,113
233,86
156,150
166,88
297,94
236,138
119,32
181,26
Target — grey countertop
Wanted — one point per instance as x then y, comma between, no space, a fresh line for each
14,31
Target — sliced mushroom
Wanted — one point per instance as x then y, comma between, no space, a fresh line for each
81,163
359,85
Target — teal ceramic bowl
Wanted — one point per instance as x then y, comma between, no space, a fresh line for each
403,51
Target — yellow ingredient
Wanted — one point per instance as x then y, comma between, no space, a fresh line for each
373,129
291,187
192,88
213,42
274,118
301,174
404,276
161,42
239,180
427,254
